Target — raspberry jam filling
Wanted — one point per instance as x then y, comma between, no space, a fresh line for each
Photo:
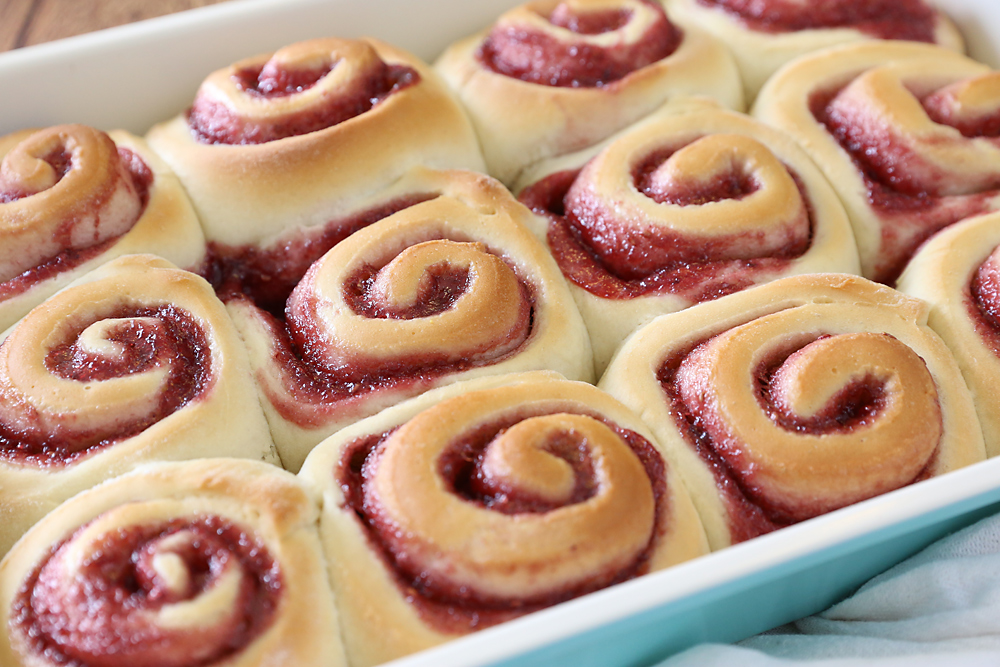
176,341
911,20
912,210
214,122
544,59
142,180
268,276
858,403
983,303
637,271
104,613
455,609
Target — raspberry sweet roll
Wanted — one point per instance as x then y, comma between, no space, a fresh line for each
763,35
73,198
278,148
689,204
486,500
958,272
552,77
797,398
136,362
447,289
905,132
208,563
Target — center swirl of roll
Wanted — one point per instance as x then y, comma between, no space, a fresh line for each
509,510
302,88
360,314
717,197
70,383
579,43
137,587
811,422
63,188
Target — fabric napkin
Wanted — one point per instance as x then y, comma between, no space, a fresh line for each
940,607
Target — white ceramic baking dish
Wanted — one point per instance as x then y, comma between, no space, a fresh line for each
136,75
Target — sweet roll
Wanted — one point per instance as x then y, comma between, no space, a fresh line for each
905,132
73,198
796,398
554,76
486,500
449,288
199,563
136,362
690,204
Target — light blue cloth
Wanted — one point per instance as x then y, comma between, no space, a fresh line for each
940,607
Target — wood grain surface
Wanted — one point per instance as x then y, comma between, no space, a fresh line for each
27,22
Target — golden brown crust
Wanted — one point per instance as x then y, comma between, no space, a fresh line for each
252,194
718,145
520,123
379,624
783,323
167,225
266,504
94,427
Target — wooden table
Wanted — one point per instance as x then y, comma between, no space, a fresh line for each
27,22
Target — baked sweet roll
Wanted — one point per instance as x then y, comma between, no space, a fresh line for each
905,132
797,398
450,288
552,77
486,500
211,562
73,198
958,272
136,362
763,35
279,148
688,205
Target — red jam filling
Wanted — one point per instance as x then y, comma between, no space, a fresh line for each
100,617
178,342
886,19
912,211
983,299
749,515
697,278
442,287
457,609
268,276
539,58
215,123
142,181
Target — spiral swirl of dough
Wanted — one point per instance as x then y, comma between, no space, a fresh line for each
298,89
797,398
62,188
578,43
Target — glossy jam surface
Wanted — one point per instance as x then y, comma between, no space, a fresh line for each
911,20
855,405
214,123
441,288
457,609
142,180
544,59
697,278
983,301
267,276
176,337
103,613
912,210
